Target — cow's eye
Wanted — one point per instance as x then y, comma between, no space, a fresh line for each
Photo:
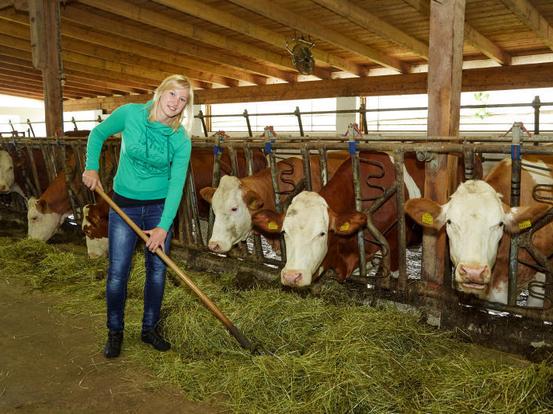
322,234
501,224
448,221
234,209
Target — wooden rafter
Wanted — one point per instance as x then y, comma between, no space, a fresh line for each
22,60
372,23
268,9
482,79
73,31
532,18
71,45
472,36
181,47
232,22
162,21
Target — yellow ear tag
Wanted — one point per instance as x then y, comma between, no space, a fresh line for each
272,225
524,224
345,226
427,219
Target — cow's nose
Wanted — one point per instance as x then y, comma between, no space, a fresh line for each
292,277
473,273
214,246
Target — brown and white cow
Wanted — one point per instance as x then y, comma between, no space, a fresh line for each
95,216
95,228
7,176
478,221
320,228
46,214
236,199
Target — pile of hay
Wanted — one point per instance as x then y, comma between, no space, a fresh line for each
324,358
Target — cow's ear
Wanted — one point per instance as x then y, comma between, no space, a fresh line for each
268,221
207,193
252,200
425,212
521,218
42,206
345,224
31,202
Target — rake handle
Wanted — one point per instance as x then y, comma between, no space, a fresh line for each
234,331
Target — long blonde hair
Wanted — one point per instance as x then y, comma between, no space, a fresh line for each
186,117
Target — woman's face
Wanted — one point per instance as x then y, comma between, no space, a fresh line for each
171,103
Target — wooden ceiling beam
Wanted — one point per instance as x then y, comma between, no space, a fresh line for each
71,80
69,86
170,24
170,44
482,79
472,36
275,12
22,59
101,52
188,64
375,24
221,18
532,18
18,92
154,76
15,82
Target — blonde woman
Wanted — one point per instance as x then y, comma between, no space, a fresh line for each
148,186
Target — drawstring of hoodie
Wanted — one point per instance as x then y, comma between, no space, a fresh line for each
167,144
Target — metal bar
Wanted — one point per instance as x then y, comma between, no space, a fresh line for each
536,104
307,168
201,116
257,244
401,233
323,166
300,124
246,115
37,190
358,206
515,202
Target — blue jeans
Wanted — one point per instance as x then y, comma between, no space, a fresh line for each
122,243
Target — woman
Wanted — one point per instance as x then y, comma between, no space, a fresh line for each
148,186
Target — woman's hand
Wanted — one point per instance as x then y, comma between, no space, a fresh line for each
157,239
92,180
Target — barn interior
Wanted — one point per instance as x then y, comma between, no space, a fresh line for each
83,55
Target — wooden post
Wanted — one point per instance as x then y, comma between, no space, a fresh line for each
444,96
44,18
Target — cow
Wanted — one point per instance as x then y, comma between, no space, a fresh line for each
202,165
48,212
236,199
95,216
479,221
7,176
95,228
320,228
15,172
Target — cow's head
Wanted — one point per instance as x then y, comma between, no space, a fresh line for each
233,206
95,228
306,228
475,218
6,172
42,221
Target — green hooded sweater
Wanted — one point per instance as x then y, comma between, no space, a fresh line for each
153,160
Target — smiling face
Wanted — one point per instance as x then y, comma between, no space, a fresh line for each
171,104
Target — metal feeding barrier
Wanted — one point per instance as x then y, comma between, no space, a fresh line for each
192,233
